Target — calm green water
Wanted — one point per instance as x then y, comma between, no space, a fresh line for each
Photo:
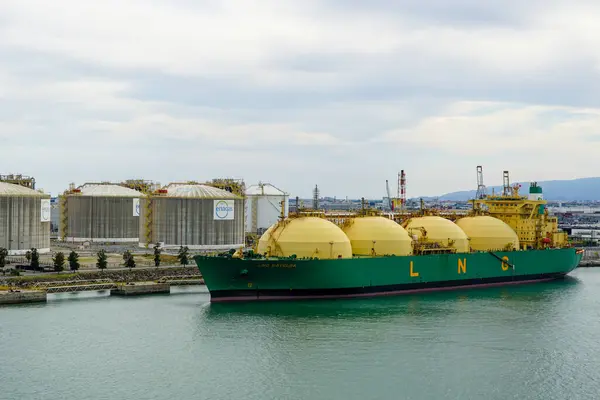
530,342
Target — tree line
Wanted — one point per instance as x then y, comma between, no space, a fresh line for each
58,260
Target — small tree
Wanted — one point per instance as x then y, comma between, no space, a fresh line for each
183,255
157,252
128,260
73,261
59,261
3,255
101,264
28,256
35,259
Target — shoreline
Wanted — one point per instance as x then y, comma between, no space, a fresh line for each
589,263
138,274
34,288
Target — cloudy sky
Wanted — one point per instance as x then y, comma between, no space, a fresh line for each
339,93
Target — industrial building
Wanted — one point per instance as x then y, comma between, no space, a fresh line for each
263,206
54,216
24,219
100,212
198,216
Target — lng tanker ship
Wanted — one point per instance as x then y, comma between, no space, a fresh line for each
505,239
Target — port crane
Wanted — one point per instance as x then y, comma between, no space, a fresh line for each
389,195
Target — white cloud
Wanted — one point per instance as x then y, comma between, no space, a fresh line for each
156,125
243,37
489,129
361,93
231,38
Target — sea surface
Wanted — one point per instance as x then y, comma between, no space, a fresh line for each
539,341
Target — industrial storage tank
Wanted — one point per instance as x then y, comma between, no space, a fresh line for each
100,212
440,230
264,206
375,235
306,237
198,216
24,219
489,233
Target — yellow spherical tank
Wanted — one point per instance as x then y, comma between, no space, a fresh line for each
377,236
262,246
305,237
440,230
489,233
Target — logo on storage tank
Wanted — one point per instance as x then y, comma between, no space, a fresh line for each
45,212
223,209
136,207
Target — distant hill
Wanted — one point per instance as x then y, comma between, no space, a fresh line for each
560,190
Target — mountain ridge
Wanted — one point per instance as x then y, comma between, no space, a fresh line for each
557,190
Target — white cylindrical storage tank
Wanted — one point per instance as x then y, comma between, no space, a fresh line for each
198,216
263,206
101,213
24,219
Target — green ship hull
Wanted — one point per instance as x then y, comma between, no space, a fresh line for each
236,279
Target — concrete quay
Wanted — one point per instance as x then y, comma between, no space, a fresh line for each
22,296
40,291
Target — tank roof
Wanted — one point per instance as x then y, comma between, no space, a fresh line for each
488,233
483,221
439,229
377,235
264,189
305,237
10,189
198,191
108,190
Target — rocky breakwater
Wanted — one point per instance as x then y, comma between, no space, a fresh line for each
119,276
589,263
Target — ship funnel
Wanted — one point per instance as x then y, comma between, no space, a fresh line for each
535,192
